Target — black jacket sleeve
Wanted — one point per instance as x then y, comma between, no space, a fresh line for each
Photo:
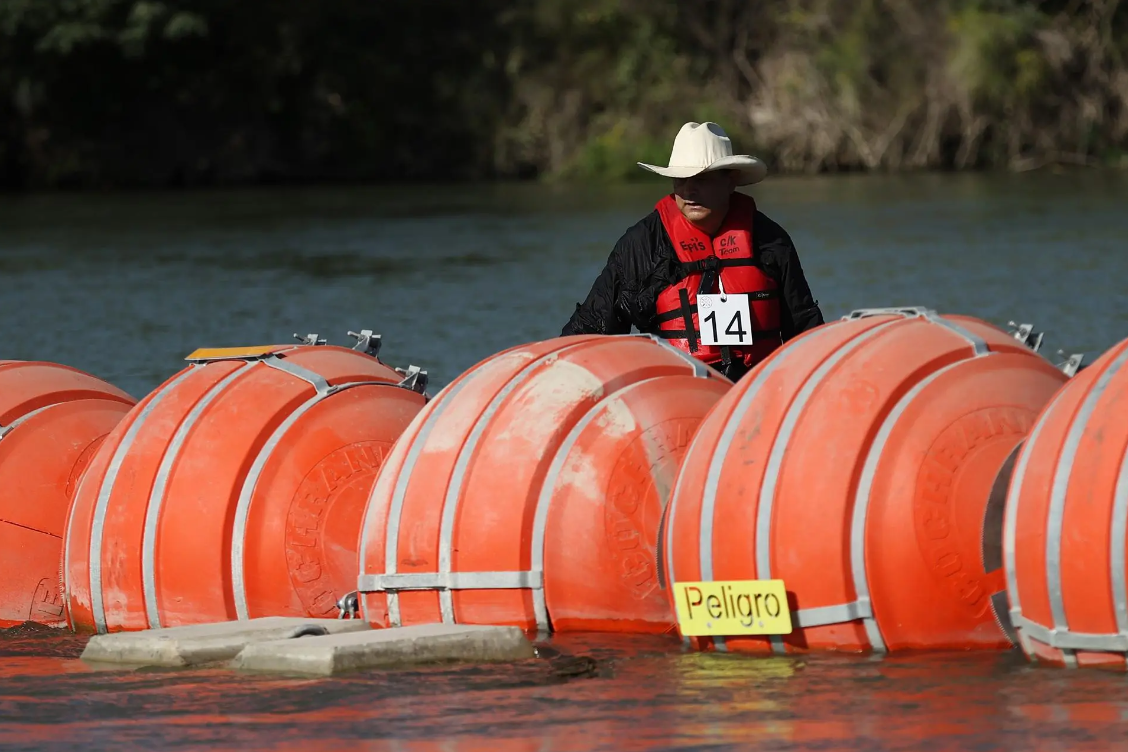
598,313
611,304
799,311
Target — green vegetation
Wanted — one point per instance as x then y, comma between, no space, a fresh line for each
196,92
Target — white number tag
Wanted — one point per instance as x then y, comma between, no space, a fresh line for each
725,319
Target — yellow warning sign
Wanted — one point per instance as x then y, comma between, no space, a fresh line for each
732,607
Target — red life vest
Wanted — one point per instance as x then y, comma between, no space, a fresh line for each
730,255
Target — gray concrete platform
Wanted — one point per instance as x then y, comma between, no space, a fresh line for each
206,643
427,643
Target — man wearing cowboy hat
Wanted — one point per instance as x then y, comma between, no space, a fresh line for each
704,254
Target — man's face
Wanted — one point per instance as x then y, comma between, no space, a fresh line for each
704,199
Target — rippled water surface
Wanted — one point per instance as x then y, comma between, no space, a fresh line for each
126,285
586,692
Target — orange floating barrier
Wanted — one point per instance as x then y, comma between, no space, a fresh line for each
1066,523
857,465
529,491
52,418
236,488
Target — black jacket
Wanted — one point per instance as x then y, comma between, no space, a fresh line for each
643,263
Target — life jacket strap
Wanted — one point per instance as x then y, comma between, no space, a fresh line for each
752,297
712,264
687,317
758,334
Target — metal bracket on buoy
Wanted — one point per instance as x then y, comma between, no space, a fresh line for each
1072,364
910,311
414,379
309,339
366,342
1024,333
348,607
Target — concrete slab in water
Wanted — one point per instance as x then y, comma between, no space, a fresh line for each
205,643
424,643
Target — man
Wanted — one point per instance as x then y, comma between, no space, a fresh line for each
704,239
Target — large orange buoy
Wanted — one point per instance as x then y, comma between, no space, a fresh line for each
529,491
52,418
1066,523
235,489
857,464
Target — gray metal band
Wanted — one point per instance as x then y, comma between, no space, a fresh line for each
380,583
250,483
1060,487
319,382
465,453
699,369
907,312
157,493
5,430
977,343
1119,533
399,493
912,312
436,404
544,499
862,499
97,530
1010,519
82,481
838,614
779,449
671,512
1064,640
716,465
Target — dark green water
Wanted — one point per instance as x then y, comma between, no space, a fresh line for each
126,285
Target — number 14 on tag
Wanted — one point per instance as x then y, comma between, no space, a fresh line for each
725,319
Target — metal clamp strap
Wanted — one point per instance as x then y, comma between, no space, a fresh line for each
316,380
5,430
414,378
1063,638
1072,364
309,339
700,370
366,342
908,312
837,614
378,583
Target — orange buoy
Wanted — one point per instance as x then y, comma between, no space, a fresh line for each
52,418
236,488
1066,523
856,464
529,491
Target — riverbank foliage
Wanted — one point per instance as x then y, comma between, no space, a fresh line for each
189,92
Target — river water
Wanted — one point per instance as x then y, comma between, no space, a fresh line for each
585,693
124,286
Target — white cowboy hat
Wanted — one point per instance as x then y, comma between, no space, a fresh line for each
705,147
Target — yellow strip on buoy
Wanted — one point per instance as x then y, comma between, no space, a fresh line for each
227,353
